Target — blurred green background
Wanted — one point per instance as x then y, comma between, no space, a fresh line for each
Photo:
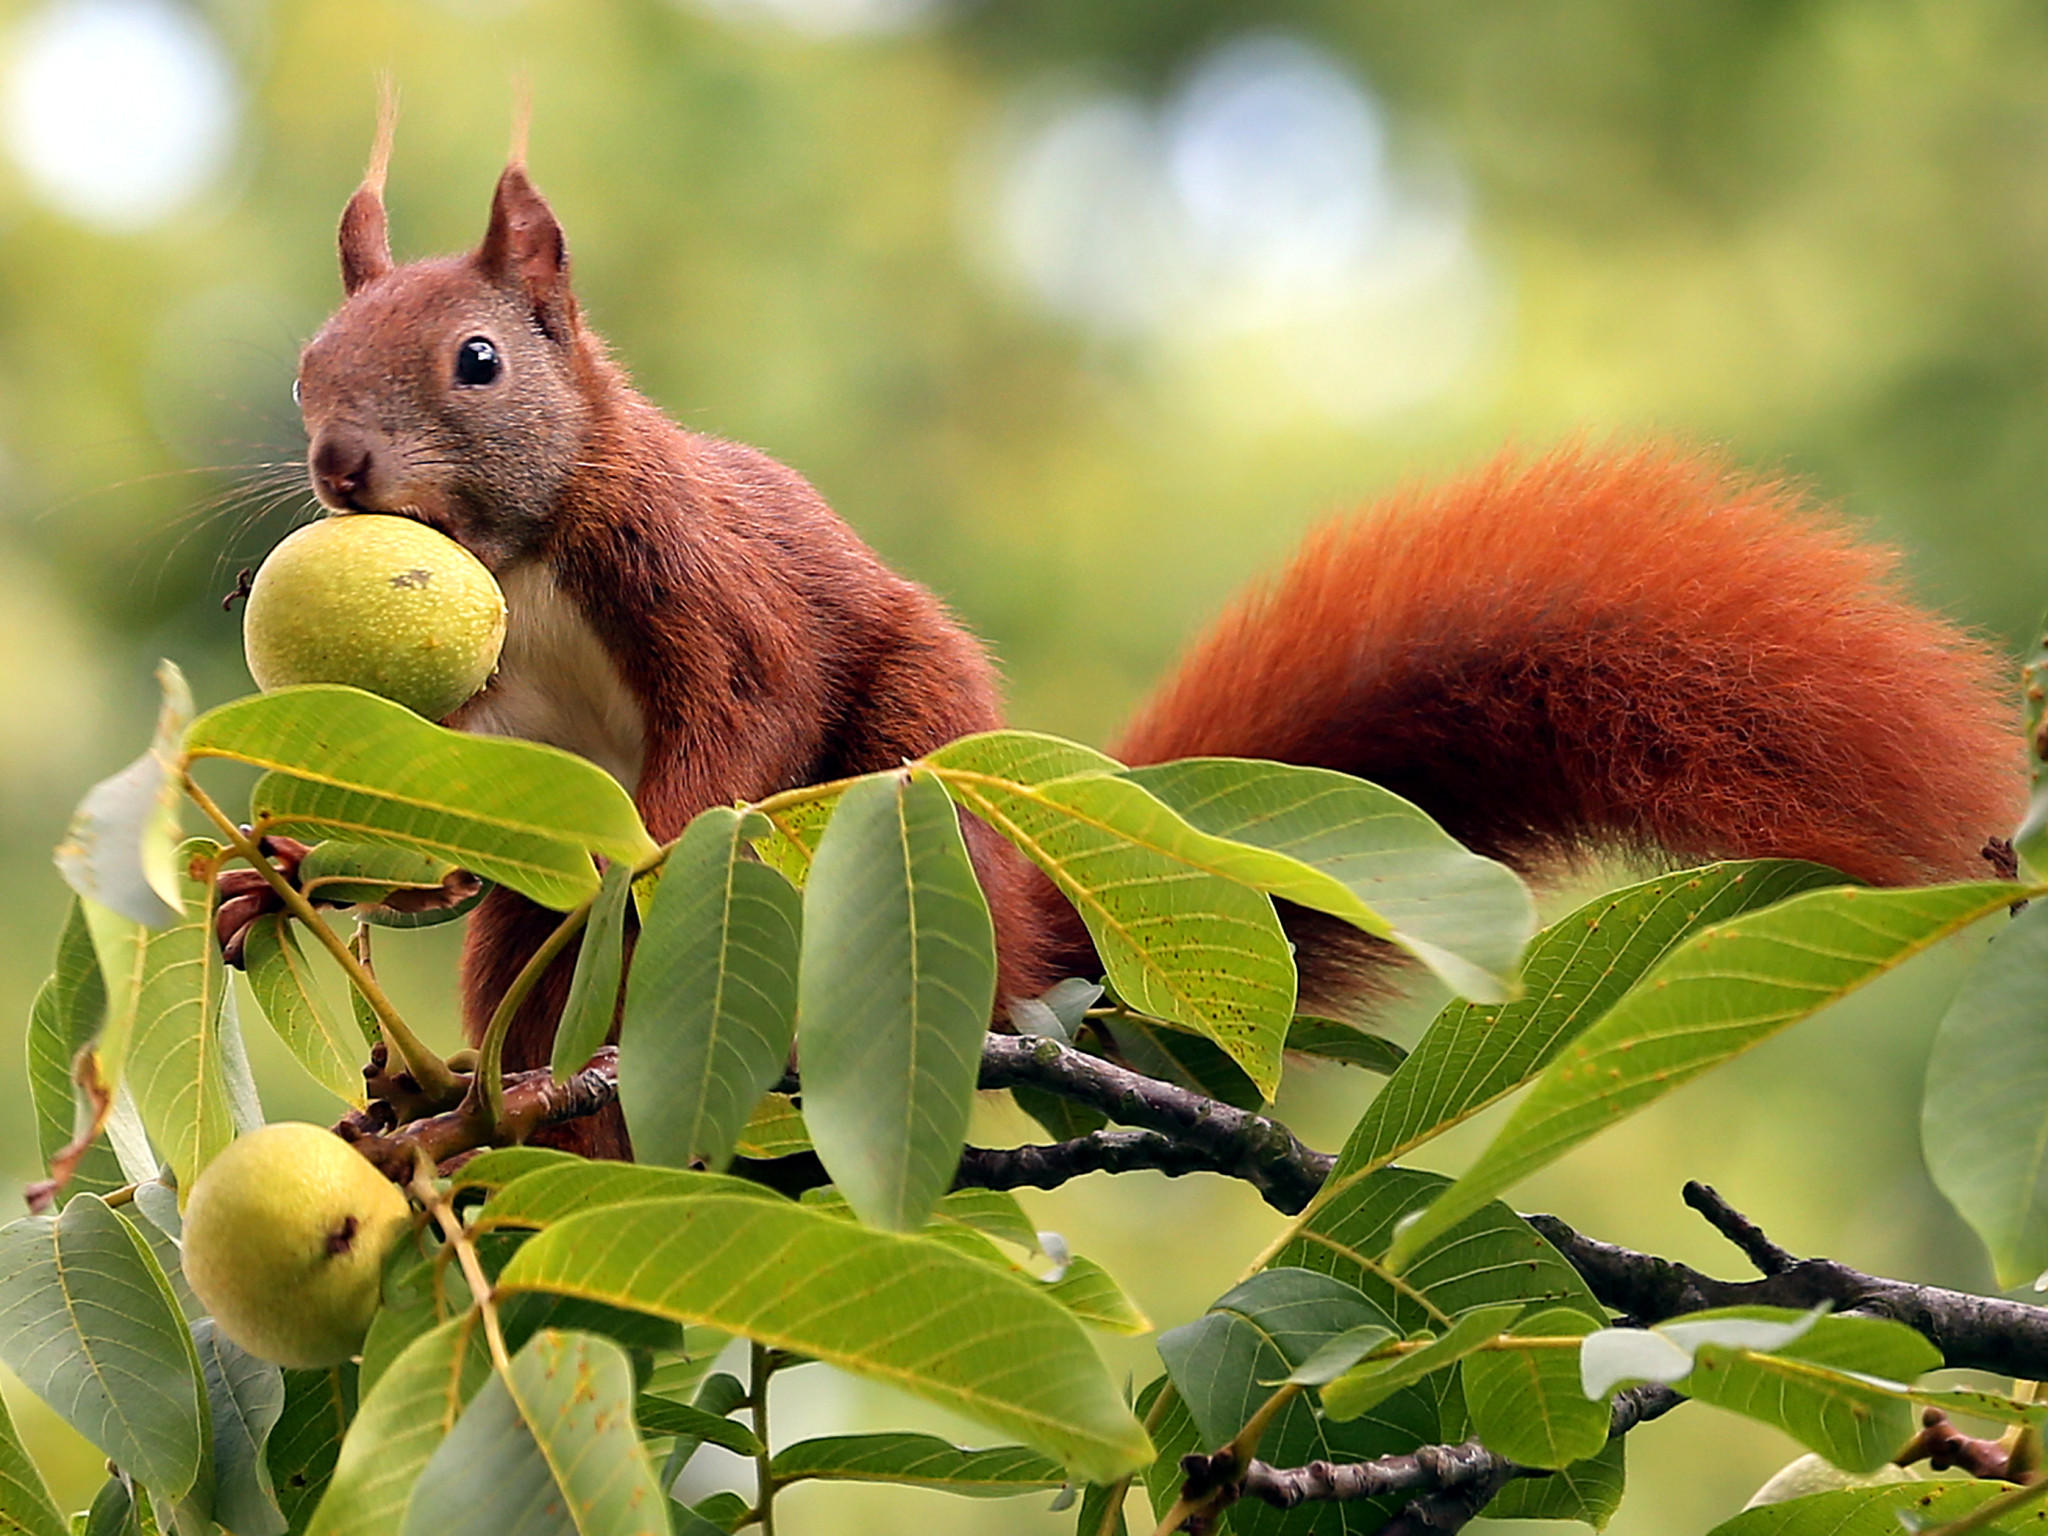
1080,312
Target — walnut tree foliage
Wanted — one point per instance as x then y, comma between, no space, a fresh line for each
546,1353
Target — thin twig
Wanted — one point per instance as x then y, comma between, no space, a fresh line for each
1745,1234
1985,1333
436,1082
1453,1482
423,1190
1051,1164
532,1100
1239,1143
487,1092
763,1365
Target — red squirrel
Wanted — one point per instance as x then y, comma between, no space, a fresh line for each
1596,649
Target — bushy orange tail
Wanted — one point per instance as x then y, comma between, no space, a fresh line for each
1640,651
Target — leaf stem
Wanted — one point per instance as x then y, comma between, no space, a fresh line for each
487,1086
1982,1517
424,1191
802,795
764,1475
436,1081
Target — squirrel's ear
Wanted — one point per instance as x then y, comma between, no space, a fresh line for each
365,239
524,248
365,234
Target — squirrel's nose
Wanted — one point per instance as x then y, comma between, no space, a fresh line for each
341,466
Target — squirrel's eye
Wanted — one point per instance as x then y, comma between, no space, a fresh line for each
477,362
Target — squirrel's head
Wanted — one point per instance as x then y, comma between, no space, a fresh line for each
455,390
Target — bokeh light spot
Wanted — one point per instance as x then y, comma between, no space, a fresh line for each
829,18
1251,232
118,111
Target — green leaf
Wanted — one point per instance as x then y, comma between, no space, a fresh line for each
967,1220
245,1396
719,1395
1579,967
1346,1043
347,765
558,1190
1372,1382
119,849
363,874
1826,1381
1298,1433
120,1508
401,1422
1364,854
1181,939
288,992
1092,1294
711,999
153,1216
1097,1517
25,1505
897,982
421,1288
1984,1121
665,1416
1587,1491
922,1461
318,1406
1728,988
185,1063
789,840
1175,1435
775,1129
1228,1362
995,1212
1526,1403
687,1522
548,1446
1886,1510
122,945
1339,1354
904,1309
594,988
1491,1256
88,1324
496,1167
724,1511
1817,1389
64,1023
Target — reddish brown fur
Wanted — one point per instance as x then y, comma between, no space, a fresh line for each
767,646
1636,650
1633,650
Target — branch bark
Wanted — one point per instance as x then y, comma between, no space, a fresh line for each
1453,1483
1235,1142
1985,1333
532,1100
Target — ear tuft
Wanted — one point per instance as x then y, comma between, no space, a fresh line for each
524,249
365,232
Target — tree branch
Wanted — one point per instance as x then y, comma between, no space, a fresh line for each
1986,1333
1453,1483
1235,1142
1050,1165
532,1100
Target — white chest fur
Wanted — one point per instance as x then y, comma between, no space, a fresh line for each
556,683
